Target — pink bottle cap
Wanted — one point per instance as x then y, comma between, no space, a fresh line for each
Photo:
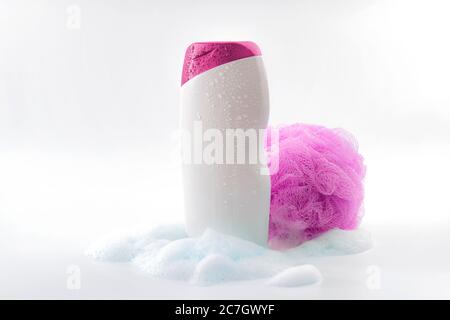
202,56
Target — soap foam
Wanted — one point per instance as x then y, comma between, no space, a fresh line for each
296,276
167,252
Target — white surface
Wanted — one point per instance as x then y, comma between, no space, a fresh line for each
87,112
234,197
39,271
53,210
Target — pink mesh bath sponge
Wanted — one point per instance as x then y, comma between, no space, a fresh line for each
317,185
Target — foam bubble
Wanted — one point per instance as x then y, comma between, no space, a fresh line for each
296,276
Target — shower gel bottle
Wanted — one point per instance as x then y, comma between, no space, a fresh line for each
225,105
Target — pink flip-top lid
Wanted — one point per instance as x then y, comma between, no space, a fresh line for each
202,56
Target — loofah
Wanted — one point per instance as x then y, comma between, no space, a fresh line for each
317,185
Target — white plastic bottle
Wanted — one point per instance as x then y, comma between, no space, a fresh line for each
224,87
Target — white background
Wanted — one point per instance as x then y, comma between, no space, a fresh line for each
89,105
